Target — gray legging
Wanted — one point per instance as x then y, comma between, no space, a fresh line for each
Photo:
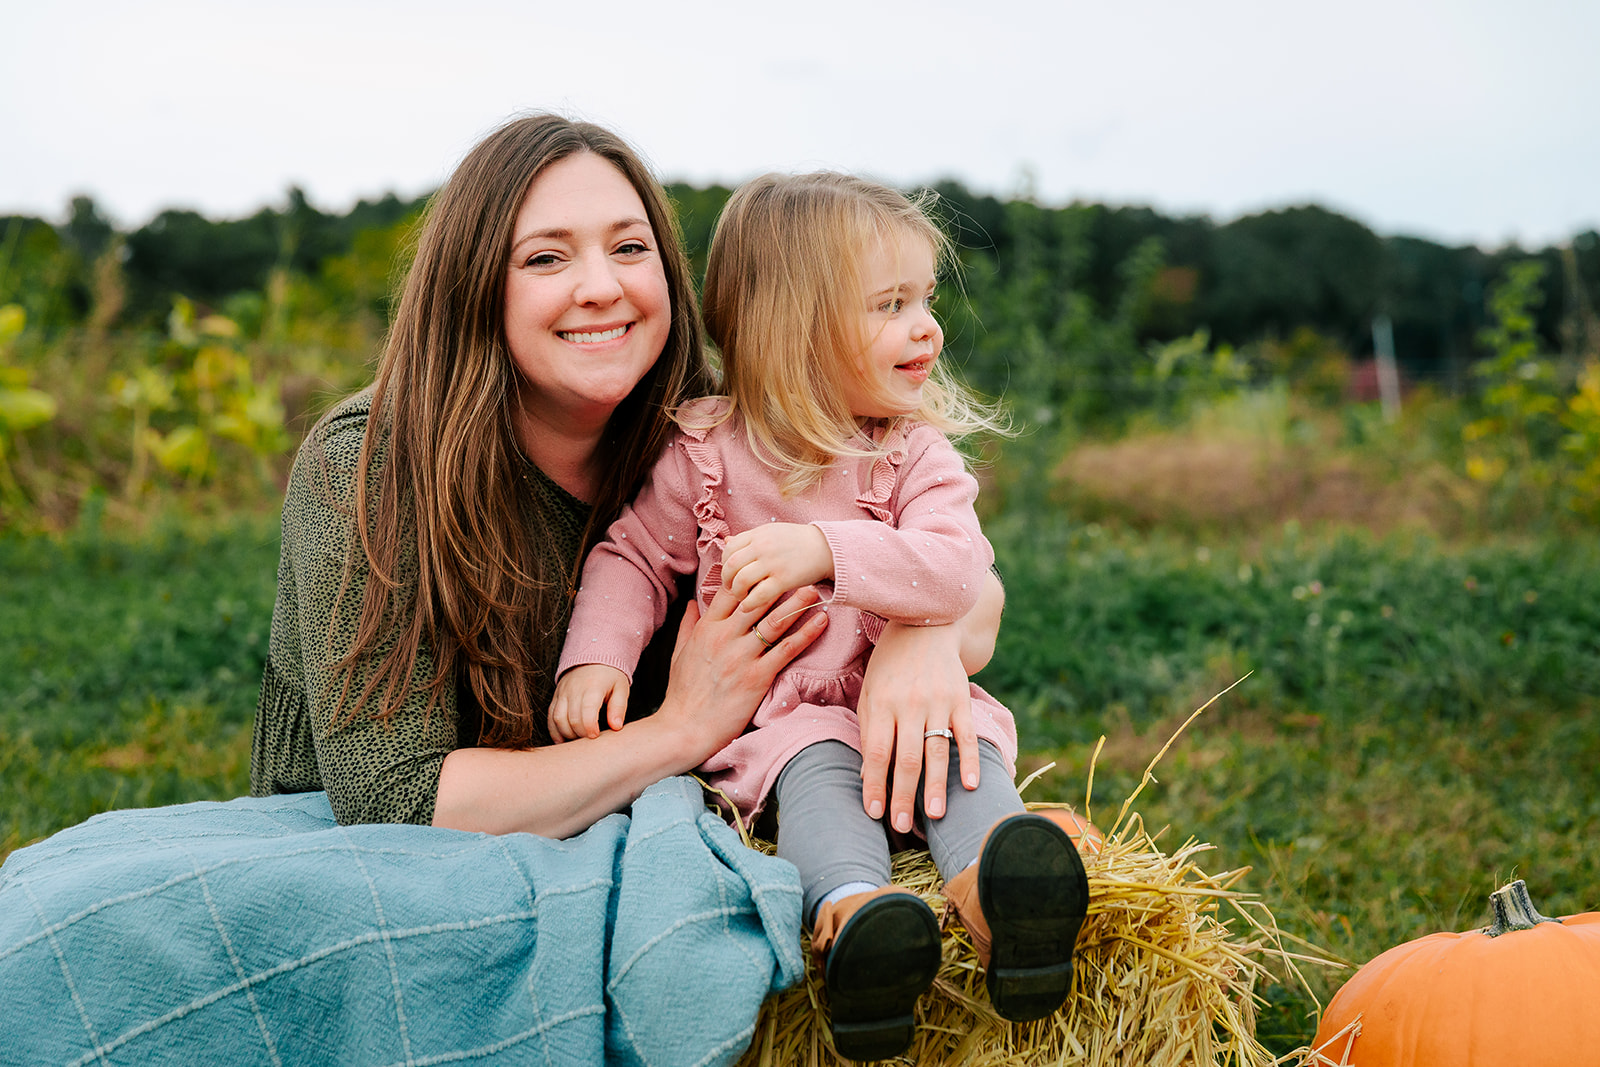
824,831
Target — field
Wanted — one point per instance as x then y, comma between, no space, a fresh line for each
1412,599
1416,727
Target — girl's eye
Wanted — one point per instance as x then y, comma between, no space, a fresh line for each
893,305
930,300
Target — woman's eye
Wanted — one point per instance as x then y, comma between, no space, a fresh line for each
633,248
541,259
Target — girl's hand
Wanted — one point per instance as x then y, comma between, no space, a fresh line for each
580,694
769,560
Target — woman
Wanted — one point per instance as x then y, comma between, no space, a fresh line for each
546,325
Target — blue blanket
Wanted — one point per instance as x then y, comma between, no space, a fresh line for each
260,931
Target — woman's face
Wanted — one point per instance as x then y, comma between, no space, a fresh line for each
587,306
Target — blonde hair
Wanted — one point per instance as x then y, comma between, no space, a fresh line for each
783,301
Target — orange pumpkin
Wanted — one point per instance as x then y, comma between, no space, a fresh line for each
1521,991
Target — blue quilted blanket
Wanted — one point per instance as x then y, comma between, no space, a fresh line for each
260,931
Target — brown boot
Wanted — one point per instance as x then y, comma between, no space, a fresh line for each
1023,904
879,951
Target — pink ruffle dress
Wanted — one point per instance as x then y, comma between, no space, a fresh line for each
906,546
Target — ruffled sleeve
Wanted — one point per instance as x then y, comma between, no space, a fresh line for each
698,422
885,474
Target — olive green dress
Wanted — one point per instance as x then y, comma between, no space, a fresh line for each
372,771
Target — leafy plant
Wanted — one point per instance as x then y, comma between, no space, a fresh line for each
206,383
1582,443
1539,434
21,407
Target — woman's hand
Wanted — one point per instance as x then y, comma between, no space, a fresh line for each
727,657
581,694
916,681
720,672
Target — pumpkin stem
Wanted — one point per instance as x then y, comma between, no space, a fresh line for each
1514,910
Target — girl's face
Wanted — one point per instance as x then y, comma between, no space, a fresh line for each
903,339
586,303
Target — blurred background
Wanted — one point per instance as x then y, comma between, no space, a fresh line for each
1295,309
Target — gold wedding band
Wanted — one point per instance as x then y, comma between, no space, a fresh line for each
764,642
948,735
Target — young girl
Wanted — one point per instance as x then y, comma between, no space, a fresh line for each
827,463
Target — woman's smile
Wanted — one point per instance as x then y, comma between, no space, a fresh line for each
595,335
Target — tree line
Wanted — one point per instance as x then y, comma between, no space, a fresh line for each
1262,275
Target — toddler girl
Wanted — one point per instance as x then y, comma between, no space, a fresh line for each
827,463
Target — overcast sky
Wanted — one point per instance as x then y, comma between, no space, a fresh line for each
1458,120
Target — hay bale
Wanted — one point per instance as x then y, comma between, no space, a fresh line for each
1160,980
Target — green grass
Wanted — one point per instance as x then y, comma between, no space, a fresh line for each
1340,624
1417,729
130,669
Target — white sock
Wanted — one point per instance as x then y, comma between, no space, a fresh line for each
849,889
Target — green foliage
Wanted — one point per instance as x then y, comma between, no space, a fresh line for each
697,210
203,392
131,668
21,408
1086,320
1537,436
184,253
1188,372
40,273
1309,363
1345,623
1304,266
1582,443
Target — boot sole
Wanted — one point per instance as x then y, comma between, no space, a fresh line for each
884,959
1034,894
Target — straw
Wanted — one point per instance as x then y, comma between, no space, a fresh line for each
1162,977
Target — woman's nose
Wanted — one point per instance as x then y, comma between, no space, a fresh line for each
597,281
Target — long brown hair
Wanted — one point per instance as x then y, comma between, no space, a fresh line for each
784,303
451,570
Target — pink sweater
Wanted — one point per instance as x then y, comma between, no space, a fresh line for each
906,547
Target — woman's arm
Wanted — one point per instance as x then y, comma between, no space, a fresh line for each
720,672
408,768
917,681
981,627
